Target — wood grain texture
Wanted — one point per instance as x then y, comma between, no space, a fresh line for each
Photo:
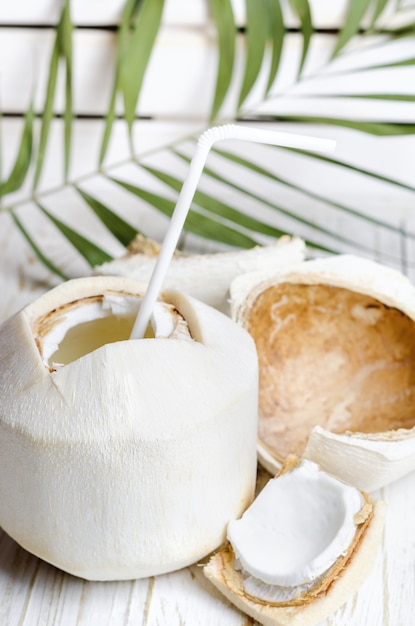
33,592
183,65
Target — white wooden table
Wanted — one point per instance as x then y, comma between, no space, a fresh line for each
35,593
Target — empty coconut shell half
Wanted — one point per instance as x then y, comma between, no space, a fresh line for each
336,347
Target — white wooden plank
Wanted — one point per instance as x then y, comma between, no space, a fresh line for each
95,12
33,592
18,569
185,598
399,559
325,13
180,80
26,53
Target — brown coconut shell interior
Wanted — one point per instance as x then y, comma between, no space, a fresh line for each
332,357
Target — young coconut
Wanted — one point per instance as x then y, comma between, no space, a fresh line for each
336,348
303,547
124,458
205,276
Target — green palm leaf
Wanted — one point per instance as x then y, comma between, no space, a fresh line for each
353,168
38,252
302,10
371,67
392,97
23,159
380,6
196,222
121,53
47,111
64,38
222,14
256,37
357,10
92,253
212,205
276,33
139,25
145,28
264,173
118,227
62,48
381,129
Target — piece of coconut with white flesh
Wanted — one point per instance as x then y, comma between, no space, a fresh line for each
301,550
336,347
124,458
206,276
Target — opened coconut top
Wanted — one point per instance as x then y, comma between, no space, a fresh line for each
334,355
73,328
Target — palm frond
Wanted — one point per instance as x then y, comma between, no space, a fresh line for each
276,38
145,26
380,129
64,37
197,222
235,213
62,49
122,230
350,166
121,53
222,14
379,7
23,159
256,37
93,254
218,208
302,10
43,258
357,10
138,29
267,173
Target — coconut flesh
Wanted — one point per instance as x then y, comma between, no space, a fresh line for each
302,523
336,347
83,326
124,458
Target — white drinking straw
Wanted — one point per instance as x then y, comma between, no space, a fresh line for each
204,144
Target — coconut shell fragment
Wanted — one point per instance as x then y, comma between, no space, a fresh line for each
205,276
301,605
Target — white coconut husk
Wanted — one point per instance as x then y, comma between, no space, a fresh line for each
129,460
